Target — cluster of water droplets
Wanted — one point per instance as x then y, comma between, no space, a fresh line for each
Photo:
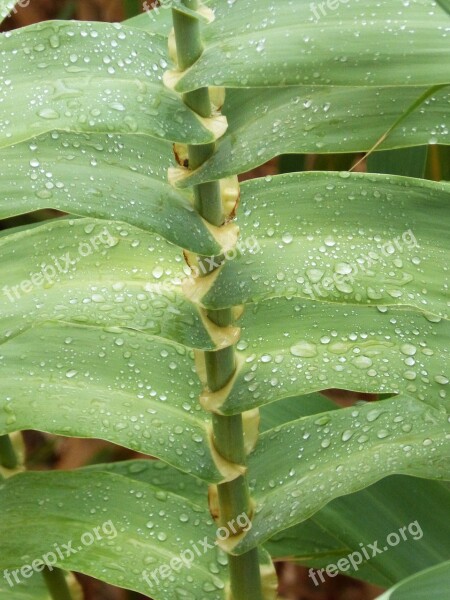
304,464
291,348
343,261
89,76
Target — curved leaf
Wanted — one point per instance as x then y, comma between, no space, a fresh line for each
97,273
354,238
264,123
29,590
159,474
357,43
155,21
411,162
371,515
445,5
125,387
289,347
140,527
299,467
120,177
82,76
431,583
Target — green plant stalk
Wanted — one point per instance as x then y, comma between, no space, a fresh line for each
57,584
8,457
55,580
234,497
130,8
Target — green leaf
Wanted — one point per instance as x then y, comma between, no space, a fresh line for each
431,583
160,474
368,516
121,386
410,162
28,590
290,348
290,409
117,177
97,273
81,76
155,21
353,238
372,514
445,4
318,120
141,528
307,43
299,467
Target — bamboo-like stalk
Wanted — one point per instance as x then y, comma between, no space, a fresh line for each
234,498
8,457
55,579
56,584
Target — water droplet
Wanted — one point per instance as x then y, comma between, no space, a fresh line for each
408,349
304,349
383,433
373,415
362,362
347,435
48,113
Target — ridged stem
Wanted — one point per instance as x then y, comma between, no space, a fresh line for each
55,580
234,497
8,457
57,584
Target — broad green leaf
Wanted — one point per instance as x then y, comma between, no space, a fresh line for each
431,583
299,467
368,516
98,273
96,77
319,120
117,177
359,43
445,5
290,409
410,162
155,21
159,474
128,388
28,590
289,347
372,514
354,238
141,528
36,589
